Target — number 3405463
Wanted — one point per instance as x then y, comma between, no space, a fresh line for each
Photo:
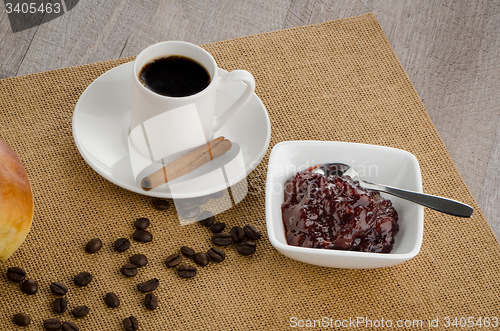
32,8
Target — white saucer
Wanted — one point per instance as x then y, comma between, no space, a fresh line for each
101,124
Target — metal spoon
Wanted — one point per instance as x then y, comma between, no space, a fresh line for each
443,205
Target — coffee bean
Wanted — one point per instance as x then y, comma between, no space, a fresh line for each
201,259
122,244
222,239
186,271
216,254
93,245
161,204
80,311
142,236
207,218
138,260
52,324
82,279
173,260
58,288
70,326
22,319
218,227
16,274
151,301
141,223
129,270
149,285
251,232
237,233
29,286
131,324
60,305
187,252
112,300
246,248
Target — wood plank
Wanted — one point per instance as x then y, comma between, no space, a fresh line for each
13,46
450,52
102,30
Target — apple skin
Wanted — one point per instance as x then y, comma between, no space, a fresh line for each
16,201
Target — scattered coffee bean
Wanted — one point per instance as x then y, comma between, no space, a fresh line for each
218,227
201,259
142,236
237,233
141,223
149,285
122,244
246,248
186,271
60,305
16,274
139,260
58,288
251,232
52,324
207,218
216,254
112,300
173,260
161,204
80,311
222,239
187,252
22,319
29,286
82,279
151,301
70,326
131,324
129,270
93,245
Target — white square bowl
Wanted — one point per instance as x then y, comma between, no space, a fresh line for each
377,164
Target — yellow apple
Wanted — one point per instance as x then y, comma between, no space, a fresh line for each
16,201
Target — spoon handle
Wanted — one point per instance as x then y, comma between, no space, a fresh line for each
441,204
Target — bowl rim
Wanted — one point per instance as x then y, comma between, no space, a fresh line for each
396,257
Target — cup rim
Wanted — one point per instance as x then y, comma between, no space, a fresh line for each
158,44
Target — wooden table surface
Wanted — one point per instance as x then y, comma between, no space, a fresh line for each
450,50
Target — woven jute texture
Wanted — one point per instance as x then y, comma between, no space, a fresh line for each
337,81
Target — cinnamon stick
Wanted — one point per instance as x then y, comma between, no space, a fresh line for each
187,163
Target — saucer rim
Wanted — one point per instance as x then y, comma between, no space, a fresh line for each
136,189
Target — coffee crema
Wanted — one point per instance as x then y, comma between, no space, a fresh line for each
174,76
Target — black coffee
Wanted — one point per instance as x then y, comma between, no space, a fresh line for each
174,76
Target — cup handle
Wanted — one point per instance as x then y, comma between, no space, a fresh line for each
236,75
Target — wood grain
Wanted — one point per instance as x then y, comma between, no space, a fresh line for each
449,49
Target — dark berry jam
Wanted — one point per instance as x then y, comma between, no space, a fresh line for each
336,213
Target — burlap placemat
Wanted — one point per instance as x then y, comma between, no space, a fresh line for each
336,81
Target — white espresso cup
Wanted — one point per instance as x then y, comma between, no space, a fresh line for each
163,127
